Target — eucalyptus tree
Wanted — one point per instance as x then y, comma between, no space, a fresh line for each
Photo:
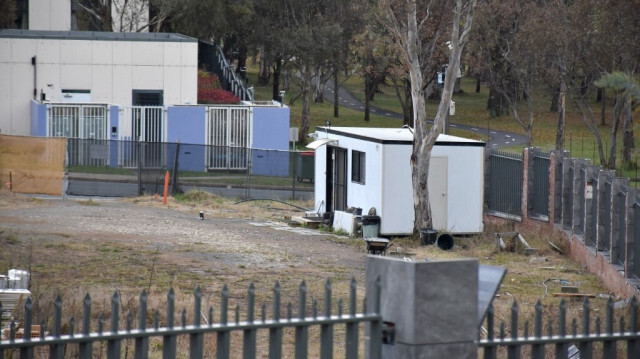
314,36
405,20
271,39
372,53
505,50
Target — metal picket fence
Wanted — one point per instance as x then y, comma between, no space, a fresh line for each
567,341
115,335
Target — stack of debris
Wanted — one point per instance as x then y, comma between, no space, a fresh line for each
514,242
14,289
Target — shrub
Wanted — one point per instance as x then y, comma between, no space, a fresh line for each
209,91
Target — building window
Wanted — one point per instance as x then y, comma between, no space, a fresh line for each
358,162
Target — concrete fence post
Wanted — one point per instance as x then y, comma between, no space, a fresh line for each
431,306
568,168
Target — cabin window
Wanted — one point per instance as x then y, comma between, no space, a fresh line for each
358,166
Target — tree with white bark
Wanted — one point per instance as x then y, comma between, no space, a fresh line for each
405,20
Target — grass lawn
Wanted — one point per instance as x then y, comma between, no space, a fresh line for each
471,110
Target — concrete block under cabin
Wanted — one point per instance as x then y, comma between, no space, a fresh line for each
370,168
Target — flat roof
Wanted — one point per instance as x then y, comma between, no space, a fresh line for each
96,35
395,136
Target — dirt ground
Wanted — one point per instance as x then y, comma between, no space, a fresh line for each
100,246
74,246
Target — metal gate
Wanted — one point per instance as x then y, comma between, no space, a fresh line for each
540,194
228,137
146,124
86,127
505,190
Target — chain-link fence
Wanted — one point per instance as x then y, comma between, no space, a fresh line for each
130,168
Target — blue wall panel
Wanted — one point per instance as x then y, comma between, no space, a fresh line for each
186,124
270,131
38,119
190,157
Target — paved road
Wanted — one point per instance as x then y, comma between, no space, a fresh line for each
497,138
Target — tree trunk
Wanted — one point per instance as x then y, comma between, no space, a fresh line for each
242,62
407,109
369,90
306,75
457,88
276,81
562,97
613,139
478,83
286,82
628,142
555,98
263,73
336,95
318,89
496,104
603,117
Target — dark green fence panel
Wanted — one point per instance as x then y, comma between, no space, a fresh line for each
540,194
505,183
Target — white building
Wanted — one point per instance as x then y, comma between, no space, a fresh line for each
99,67
47,15
370,168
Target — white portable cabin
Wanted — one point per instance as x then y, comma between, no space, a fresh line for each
370,168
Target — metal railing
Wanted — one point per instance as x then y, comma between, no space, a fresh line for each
116,334
231,80
567,344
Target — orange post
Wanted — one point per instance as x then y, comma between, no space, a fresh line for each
166,188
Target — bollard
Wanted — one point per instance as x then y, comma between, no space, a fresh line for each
166,188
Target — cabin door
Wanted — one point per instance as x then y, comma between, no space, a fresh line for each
437,184
336,179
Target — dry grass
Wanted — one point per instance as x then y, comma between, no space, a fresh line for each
75,266
529,279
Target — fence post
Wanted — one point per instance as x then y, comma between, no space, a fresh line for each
568,170
437,314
